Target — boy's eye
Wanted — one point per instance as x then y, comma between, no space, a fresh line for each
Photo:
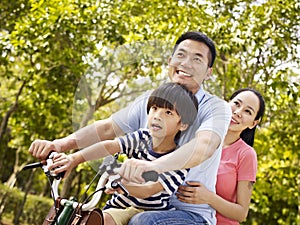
236,102
169,112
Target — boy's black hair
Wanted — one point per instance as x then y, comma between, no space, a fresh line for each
175,96
200,37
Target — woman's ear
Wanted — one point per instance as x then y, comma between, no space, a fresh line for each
183,126
255,122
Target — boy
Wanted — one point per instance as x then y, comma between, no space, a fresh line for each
171,109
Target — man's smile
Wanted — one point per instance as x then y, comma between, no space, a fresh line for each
183,73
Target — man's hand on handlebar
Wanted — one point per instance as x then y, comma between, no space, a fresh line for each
40,149
132,170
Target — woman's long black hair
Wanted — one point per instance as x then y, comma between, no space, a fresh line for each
248,134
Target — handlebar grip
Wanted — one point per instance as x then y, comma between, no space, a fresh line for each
36,164
33,165
150,176
44,166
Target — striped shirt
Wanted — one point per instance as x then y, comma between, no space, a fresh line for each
139,145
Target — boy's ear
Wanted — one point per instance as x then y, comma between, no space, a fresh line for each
183,126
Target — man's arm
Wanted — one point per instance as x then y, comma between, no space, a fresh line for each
86,136
189,155
213,125
98,131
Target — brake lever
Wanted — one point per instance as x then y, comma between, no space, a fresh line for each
117,184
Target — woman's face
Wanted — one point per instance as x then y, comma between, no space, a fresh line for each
244,108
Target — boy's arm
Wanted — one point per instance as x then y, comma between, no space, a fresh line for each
168,182
143,190
93,152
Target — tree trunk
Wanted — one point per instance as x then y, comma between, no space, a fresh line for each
11,180
68,184
11,110
19,210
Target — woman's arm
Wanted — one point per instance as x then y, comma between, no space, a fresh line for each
197,193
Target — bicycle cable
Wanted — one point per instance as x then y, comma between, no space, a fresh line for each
90,184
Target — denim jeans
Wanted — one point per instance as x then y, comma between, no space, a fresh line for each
174,217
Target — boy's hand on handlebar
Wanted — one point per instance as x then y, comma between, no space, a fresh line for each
62,163
40,149
111,191
133,169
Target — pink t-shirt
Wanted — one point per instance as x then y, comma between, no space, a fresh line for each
238,162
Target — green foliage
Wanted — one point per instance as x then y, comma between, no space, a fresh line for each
276,195
40,206
35,210
64,64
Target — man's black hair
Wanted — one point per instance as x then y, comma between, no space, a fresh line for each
200,37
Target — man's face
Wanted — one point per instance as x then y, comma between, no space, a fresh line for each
189,64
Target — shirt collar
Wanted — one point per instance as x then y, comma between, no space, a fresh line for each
200,94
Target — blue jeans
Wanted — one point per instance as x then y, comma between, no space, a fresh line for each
174,217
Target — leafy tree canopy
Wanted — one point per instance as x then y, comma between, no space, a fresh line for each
64,64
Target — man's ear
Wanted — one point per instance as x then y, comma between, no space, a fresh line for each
208,73
183,126
169,60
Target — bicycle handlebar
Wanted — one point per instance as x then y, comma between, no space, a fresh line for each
108,167
150,176
110,164
49,161
33,165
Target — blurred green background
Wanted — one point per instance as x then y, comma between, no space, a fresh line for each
67,63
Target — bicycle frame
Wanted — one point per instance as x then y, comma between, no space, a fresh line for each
108,168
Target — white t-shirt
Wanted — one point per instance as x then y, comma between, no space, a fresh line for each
214,114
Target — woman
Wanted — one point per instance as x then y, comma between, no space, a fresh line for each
238,166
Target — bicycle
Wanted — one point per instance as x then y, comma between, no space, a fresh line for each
72,212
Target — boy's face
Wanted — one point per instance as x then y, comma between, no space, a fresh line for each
189,64
164,123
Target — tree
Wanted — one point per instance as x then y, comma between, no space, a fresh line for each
62,60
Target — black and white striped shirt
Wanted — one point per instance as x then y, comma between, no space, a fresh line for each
139,145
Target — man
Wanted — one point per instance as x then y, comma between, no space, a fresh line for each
190,64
